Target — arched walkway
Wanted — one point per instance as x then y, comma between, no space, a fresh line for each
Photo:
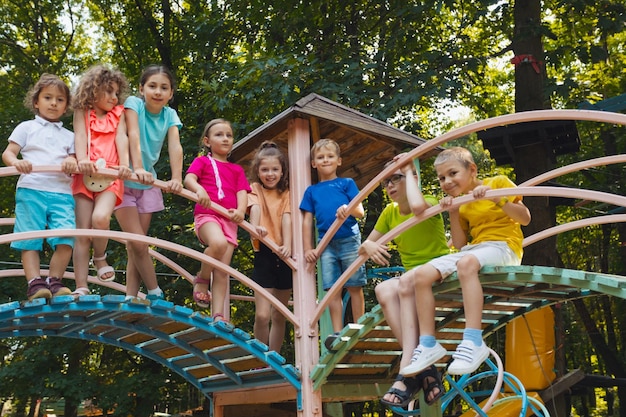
221,360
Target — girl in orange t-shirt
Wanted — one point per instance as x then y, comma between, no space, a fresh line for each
100,141
270,214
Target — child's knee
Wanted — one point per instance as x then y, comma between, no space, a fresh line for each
277,317
262,317
383,292
63,249
217,245
101,222
467,266
406,286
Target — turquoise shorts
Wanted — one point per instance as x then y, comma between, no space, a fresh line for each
41,210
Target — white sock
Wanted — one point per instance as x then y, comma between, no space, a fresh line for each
156,291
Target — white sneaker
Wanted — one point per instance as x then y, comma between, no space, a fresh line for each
467,358
423,357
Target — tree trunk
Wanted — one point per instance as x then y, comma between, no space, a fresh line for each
534,159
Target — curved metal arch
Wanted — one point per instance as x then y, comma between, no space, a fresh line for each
112,173
586,115
577,224
212,356
437,209
521,117
511,292
174,247
7,171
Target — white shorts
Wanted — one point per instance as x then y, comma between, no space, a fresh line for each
494,253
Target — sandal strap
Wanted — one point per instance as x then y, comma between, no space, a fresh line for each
81,291
99,258
413,386
429,386
199,280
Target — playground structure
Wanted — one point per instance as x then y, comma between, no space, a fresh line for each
222,361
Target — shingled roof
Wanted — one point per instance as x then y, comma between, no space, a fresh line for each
366,143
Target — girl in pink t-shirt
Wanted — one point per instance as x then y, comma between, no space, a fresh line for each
100,141
213,178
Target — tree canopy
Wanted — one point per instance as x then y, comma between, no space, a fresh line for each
408,62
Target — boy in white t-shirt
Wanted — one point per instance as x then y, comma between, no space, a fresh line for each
43,200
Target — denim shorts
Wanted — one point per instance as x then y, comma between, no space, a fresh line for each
337,257
495,253
41,210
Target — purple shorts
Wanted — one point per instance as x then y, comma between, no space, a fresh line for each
148,200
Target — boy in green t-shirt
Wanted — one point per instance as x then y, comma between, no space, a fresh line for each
416,246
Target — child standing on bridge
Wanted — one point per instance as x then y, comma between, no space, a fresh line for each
44,199
326,201
486,232
100,139
213,178
150,121
270,213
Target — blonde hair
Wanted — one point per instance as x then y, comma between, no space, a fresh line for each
322,143
97,80
205,133
457,153
46,80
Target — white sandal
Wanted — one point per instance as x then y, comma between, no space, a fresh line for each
104,270
80,291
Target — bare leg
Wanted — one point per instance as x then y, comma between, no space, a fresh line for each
140,266
279,322
82,244
31,263
335,308
59,261
219,248
467,271
220,285
422,279
406,315
409,324
389,300
101,220
357,300
397,299
262,318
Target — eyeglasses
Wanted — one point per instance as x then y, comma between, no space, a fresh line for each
394,179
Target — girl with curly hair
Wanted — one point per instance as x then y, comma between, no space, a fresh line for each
100,142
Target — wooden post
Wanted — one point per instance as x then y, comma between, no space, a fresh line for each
307,339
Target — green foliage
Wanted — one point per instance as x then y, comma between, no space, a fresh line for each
403,61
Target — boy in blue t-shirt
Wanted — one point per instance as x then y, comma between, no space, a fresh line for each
326,201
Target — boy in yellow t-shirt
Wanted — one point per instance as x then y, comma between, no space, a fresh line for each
487,232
